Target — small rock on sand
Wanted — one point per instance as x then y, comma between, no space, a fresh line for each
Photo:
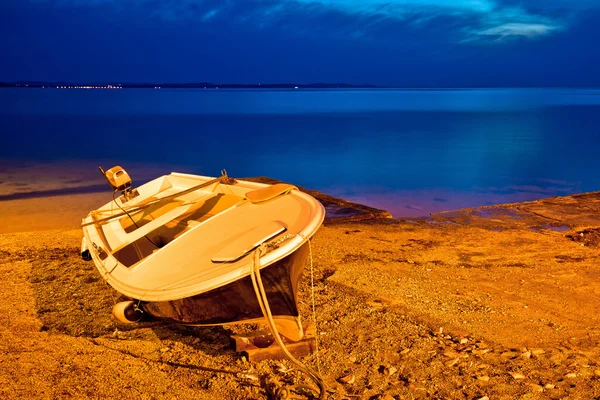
251,376
571,375
348,379
483,378
536,388
537,352
517,375
451,363
451,354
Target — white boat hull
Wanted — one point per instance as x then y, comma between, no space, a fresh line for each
186,255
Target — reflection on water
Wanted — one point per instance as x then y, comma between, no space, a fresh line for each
410,152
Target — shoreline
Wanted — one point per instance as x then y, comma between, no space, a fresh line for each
28,181
63,208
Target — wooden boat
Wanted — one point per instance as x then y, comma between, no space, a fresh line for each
185,248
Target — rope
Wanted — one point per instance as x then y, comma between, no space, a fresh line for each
314,312
263,302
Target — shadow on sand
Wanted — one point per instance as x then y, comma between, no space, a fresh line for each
72,299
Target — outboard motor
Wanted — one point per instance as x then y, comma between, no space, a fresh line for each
119,179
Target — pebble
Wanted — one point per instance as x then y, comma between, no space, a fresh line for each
405,351
348,379
509,354
253,376
517,375
537,352
451,354
480,352
484,398
451,363
526,354
464,341
282,368
549,386
536,388
483,378
597,372
390,371
571,375
164,349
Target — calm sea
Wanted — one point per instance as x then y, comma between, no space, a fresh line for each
408,151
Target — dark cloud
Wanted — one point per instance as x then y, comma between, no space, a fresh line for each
401,42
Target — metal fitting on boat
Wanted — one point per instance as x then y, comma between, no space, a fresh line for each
85,251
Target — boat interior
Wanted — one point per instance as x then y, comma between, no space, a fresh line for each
157,216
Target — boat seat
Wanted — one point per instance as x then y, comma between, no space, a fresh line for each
205,209
269,193
195,215
147,215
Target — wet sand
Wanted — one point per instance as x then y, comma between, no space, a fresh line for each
497,301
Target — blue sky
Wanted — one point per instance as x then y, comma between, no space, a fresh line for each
393,42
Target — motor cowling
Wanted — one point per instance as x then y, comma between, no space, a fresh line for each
118,178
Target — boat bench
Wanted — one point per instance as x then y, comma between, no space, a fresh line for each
170,231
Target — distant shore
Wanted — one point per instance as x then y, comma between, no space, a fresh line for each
195,85
267,86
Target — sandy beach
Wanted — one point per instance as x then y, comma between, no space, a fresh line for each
497,301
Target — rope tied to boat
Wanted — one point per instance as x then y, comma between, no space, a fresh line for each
263,302
274,244
314,312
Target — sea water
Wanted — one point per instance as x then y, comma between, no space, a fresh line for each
408,151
